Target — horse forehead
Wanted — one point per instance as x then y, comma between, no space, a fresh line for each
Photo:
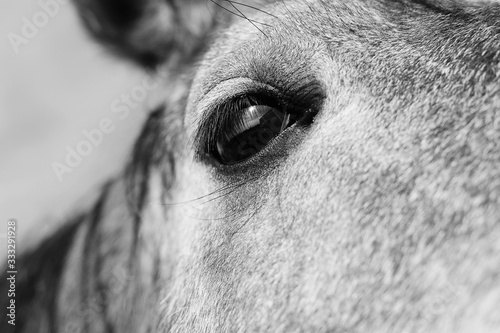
416,55
357,33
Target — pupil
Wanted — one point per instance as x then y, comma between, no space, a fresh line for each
252,140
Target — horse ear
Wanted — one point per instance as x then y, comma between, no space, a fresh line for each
150,32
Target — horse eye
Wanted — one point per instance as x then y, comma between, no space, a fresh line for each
250,132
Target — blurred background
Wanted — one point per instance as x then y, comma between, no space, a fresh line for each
56,83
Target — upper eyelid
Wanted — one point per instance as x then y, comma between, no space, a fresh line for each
227,91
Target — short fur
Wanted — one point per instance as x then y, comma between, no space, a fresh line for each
381,215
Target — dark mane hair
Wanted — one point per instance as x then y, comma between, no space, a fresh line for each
38,282
136,31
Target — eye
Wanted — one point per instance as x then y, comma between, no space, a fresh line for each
234,129
250,131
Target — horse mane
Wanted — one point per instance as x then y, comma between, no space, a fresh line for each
41,275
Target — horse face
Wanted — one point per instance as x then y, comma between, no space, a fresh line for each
362,196
326,166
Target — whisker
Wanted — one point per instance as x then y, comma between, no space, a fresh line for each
254,8
244,16
249,20
231,187
220,6
240,14
222,195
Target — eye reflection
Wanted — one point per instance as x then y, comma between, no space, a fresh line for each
251,132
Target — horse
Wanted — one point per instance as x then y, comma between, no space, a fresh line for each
314,166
